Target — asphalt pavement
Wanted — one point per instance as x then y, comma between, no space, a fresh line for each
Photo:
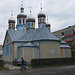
61,70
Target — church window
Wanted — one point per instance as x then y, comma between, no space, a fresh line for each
28,25
19,52
31,25
12,26
7,51
43,20
10,50
23,21
40,19
20,21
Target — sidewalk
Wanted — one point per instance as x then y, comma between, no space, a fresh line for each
11,67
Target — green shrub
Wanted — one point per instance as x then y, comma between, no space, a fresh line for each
2,64
52,61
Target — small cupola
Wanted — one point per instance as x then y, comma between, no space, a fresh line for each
11,22
41,19
47,24
30,21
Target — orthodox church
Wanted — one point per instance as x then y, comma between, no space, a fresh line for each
24,40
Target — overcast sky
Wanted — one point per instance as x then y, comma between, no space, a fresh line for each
61,13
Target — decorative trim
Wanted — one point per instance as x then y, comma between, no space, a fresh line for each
15,51
63,52
23,52
38,50
33,53
28,47
52,51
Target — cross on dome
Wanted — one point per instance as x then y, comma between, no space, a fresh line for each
47,18
11,13
30,9
41,7
22,3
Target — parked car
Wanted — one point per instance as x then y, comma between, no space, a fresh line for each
18,62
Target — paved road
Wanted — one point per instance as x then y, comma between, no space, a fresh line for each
62,70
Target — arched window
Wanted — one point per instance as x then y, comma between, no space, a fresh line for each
12,25
40,19
31,25
28,25
43,20
20,21
23,21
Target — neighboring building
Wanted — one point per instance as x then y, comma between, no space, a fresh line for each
1,51
68,35
31,43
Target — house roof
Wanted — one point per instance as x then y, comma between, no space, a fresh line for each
31,35
64,45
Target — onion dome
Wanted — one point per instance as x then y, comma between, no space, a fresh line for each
21,14
30,19
41,14
11,20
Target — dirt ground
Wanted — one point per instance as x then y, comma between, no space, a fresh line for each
62,70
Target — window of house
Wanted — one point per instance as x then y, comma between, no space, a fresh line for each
10,50
7,51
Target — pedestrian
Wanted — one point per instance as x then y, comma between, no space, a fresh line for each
23,66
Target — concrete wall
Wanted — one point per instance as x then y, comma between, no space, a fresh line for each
47,47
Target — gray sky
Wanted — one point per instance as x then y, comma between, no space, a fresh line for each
61,13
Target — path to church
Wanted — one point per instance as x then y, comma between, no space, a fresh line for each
63,70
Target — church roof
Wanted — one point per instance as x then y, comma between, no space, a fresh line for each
29,44
41,14
11,19
32,35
